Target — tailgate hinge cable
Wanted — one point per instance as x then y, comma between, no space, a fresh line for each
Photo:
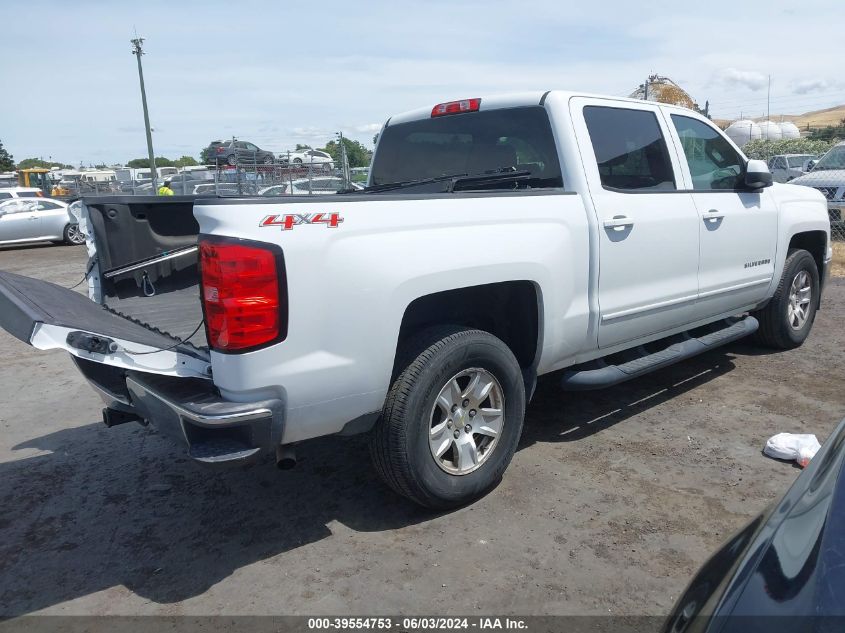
85,276
165,349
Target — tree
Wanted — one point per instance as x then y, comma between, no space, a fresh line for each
185,161
28,163
356,153
161,161
829,133
7,161
300,147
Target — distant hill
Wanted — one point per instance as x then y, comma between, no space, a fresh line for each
814,119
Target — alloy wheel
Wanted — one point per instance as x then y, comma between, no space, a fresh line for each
466,421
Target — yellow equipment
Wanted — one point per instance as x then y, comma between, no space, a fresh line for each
35,177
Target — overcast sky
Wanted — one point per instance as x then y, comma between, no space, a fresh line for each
281,73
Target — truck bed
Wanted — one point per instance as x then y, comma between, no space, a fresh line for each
176,313
148,271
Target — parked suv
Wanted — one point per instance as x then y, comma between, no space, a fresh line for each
238,152
828,176
7,193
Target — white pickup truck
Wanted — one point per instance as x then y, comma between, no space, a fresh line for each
499,239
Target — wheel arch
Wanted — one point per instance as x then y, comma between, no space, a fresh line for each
510,310
815,243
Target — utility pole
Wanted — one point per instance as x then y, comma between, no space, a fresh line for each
137,50
344,160
769,100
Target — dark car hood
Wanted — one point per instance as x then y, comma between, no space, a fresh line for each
786,565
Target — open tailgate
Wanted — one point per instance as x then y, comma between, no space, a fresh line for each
48,316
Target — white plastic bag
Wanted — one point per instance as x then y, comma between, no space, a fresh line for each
800,447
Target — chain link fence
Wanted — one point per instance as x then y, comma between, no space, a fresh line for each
831,184
821,166
237,174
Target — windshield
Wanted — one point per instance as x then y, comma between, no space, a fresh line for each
834,159
472,143
798,161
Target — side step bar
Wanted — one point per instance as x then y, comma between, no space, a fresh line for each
599,374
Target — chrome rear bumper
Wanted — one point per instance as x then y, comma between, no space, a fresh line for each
189,410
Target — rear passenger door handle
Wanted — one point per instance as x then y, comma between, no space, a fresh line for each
713,215
618,222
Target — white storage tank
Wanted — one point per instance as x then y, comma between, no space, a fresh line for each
789,130
743,131
770,131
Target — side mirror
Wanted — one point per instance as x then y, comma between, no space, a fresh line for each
757,175
811,163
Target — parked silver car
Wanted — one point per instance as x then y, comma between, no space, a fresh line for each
38,220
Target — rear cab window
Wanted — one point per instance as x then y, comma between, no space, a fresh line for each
630,149
471,143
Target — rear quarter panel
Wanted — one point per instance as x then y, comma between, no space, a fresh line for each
350,286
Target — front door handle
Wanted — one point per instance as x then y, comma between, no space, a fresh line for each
618,222
713,215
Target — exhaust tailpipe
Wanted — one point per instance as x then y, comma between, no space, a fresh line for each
285,457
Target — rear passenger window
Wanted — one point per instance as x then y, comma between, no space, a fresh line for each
630,149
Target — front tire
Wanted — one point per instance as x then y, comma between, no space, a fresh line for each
787,319
452,418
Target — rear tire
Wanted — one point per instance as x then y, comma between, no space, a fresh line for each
232,160
72,235
787,319
450,380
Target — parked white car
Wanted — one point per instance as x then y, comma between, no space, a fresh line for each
308,158
785,167
20,192
305,187
499,238
37,220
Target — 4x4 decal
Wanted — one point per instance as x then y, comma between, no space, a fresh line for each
287,222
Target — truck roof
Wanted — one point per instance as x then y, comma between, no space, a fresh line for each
511,100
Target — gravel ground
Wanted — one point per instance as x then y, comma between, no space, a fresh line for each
612,502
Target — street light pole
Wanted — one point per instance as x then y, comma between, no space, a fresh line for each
137,50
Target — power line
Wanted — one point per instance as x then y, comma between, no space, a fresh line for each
784,98
758,110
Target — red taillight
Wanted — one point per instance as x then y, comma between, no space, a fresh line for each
456,107
219,150
243,295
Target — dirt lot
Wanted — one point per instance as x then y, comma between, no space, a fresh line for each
611,503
